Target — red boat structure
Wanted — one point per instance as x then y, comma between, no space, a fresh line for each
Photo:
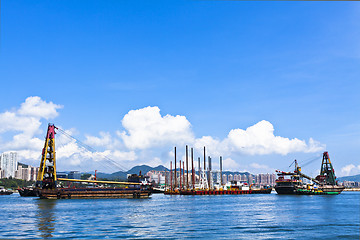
203,184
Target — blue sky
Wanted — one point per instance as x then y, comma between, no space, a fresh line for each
221,64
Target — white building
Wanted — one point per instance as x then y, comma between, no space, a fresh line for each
8,163
156,176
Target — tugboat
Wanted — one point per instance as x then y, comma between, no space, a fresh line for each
324,184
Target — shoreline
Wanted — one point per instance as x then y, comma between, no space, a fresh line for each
352,189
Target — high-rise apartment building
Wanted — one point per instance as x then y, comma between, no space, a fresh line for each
27,173
8,163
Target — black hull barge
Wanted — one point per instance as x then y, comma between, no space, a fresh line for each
77,193
49,186
28,192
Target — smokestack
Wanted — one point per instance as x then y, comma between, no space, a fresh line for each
187,168
209,159
192,168
183,174
165,179
209,171
199,167
180,174
171,181
204,160
221,170
175,170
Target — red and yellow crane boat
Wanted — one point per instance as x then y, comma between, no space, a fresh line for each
47,182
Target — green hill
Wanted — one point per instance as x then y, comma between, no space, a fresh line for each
355,178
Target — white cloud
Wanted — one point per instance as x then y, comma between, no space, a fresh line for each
26,123
105,139
128,156
259,139
146,128
230,164
350,169
259,166
147,138
214,147
35,107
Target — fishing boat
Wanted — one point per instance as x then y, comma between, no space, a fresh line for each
50,187
324,184
4,191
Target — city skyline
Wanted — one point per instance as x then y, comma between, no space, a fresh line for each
260,85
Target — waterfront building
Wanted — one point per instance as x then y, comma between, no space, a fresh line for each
26,172
156,176
74,175
272,179
250,179
8,163
237,177
224,178
351,184
218,177
62,175
244,178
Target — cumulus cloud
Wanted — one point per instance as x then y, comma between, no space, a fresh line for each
143,131
105,139
259,139
36,107
146,128
230,164
261,167
24,123
350,169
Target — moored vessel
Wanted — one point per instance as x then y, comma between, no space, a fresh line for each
205,184
28,192
48,185
324,184
4,191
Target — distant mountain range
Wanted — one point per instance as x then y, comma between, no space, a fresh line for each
135,170
355,178
144,169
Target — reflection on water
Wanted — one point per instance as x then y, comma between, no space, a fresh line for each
46,217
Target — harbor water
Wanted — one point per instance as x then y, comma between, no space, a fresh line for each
257,216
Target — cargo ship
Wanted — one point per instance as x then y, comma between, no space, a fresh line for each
324,184
48,185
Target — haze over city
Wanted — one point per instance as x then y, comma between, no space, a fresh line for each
134,80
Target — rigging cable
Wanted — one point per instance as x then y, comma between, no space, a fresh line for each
92,150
